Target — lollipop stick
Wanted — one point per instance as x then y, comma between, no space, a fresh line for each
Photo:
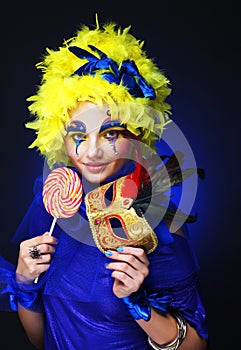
52,226
50,234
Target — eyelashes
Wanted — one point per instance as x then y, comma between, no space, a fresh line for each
112,134
77,137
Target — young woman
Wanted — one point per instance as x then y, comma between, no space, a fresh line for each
112,276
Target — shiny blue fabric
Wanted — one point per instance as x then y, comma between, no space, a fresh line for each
27,299
13,293
81,310
127,74
139,304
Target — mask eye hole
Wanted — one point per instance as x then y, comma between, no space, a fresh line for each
117,228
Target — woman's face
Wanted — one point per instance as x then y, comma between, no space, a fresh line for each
97,145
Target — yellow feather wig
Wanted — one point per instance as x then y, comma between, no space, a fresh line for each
60,90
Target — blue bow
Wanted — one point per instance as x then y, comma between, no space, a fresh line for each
139,304
16,296
127,74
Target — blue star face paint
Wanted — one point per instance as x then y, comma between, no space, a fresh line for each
77,131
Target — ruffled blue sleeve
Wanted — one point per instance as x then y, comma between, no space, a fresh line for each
15,295
35,222
174,272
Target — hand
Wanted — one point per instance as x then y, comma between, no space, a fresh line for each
130,268
30,268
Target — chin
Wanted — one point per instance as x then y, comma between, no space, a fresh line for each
95,178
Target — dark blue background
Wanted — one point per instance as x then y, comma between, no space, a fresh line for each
197,44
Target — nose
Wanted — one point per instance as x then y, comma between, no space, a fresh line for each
94,150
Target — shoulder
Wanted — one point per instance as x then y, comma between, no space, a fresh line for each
174,251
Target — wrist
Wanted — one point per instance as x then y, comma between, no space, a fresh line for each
181,334
21,279
22,293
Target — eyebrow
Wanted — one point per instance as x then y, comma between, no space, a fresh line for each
111,124
76,125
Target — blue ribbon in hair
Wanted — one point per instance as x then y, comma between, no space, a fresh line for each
127,74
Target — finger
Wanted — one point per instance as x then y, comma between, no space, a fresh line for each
32,268
123,278
44,259
42,249
127,269
130,260
37,270
139,253
46,249
124,284
45,238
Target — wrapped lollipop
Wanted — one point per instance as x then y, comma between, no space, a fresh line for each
62,194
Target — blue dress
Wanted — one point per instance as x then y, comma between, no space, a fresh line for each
77,298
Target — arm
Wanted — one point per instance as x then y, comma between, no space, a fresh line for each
33,325
163,330
129,271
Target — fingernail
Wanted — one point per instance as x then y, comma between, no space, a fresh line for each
108,253
120,249
106,264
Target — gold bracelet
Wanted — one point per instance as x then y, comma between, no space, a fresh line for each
182,329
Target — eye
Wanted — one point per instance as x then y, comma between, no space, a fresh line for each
111,134
77,137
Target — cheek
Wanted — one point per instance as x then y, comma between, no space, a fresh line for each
125,148
70,146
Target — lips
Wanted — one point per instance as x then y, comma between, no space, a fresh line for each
95,167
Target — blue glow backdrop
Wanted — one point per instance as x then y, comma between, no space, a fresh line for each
197,45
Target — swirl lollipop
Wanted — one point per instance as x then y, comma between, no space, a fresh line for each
62,195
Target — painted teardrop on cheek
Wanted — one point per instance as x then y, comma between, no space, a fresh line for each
113,144
74,129
77,146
